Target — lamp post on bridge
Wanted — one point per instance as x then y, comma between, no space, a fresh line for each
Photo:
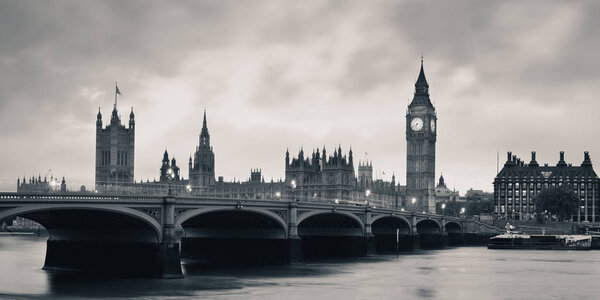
443,208
293,185
170,176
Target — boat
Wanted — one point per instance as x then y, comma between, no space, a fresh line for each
518,240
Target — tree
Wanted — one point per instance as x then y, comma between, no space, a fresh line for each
479,207
560,201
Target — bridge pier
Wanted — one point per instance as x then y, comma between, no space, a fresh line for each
168,254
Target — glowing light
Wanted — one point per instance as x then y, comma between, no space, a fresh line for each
413,200
188,188
367,193
337,201
278,195
443,205
293,184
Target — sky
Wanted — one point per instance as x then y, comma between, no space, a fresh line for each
504,76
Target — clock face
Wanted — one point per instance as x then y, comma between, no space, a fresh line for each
432,126
416,124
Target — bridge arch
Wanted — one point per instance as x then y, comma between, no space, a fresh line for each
272,224
70,221
453,227
330,223
428,226
387,224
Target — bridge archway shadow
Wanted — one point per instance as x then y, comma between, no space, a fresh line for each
384,229
430,234
455,236
330,234
233,236
98,240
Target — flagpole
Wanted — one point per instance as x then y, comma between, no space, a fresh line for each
116,94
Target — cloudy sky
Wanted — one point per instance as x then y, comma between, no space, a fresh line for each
509,75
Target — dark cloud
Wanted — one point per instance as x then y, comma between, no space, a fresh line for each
505,75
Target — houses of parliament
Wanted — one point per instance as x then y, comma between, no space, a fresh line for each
316,176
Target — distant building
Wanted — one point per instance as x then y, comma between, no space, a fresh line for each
443,193
518,183
323,178
37,185
478,195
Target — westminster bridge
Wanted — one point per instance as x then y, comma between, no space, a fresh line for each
149,234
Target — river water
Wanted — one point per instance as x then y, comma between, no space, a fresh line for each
454,273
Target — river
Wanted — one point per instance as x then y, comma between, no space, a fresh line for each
453,273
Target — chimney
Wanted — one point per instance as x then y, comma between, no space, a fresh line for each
508,156
562,155
514,159
587,162
561,162
533,162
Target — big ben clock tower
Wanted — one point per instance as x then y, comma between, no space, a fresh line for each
421,134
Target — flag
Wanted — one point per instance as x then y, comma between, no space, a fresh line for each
118,92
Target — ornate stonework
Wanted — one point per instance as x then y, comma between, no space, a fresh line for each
154,212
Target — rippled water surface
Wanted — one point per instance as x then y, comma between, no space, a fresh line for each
456,273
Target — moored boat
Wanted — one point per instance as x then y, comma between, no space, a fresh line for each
517,240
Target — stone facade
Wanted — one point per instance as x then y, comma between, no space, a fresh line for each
115,150
421,135
37,185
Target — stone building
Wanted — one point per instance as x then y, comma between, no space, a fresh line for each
331,179
444,194
115,150
518,183
421,136
37,185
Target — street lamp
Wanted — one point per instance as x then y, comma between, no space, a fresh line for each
293,185
462,211
188,188
278,195
170,176
443,208
367,194
413,201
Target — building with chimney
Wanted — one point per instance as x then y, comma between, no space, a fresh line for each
517,184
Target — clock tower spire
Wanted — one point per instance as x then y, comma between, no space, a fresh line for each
421,136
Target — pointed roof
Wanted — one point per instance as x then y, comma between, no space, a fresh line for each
204,132
166,156
421,96
422,79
